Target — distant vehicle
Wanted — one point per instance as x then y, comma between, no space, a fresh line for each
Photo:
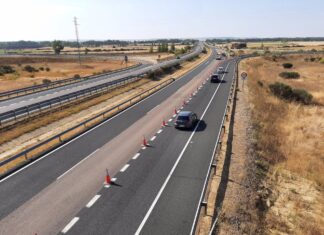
215,78
220,70
218,57
186,120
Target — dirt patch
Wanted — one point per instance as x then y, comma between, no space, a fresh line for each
59,68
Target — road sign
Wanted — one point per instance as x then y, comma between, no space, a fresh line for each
244,75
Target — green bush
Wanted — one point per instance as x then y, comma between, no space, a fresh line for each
312,59
301,95
284,91
76,76
281,90
289,75
6,69
47,69
41,68
46,81
322,61
287,65
30,69
167,69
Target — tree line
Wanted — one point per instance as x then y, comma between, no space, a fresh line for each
296,39
16,45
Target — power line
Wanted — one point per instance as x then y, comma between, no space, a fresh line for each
77,37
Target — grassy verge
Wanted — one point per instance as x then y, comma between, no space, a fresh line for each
289,147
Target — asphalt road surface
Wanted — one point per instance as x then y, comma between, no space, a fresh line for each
26,194
15,103
159,191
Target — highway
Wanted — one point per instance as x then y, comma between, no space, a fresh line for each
34,98
44,196
159,191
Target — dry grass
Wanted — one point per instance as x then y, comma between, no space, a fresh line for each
60,68
290,136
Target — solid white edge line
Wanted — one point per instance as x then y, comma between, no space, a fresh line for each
211,161
136,156
93,201
77,164
153,138
124,168
70,225
95,127
174,166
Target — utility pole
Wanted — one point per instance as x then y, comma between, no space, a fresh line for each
77,37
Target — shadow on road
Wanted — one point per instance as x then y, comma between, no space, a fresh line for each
115,184
227,162
202,126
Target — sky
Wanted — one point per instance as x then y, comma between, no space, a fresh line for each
150,19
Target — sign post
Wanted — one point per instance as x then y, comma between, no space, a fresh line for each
243,77
126,60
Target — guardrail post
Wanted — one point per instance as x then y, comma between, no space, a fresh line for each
204,205
214,167
223,128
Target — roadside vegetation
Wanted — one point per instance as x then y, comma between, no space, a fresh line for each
289,131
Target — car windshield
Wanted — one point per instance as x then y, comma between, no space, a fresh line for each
183,118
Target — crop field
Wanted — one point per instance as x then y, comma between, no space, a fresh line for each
52,68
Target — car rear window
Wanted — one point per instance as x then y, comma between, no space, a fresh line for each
185,118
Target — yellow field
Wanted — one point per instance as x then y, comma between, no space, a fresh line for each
60,68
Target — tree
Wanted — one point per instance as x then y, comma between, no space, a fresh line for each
57,46
172,49
151,49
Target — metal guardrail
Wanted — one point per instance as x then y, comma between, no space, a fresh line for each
32,89
218,146
16,115
60,137
26,111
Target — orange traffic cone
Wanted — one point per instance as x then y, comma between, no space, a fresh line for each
108,178
144,141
